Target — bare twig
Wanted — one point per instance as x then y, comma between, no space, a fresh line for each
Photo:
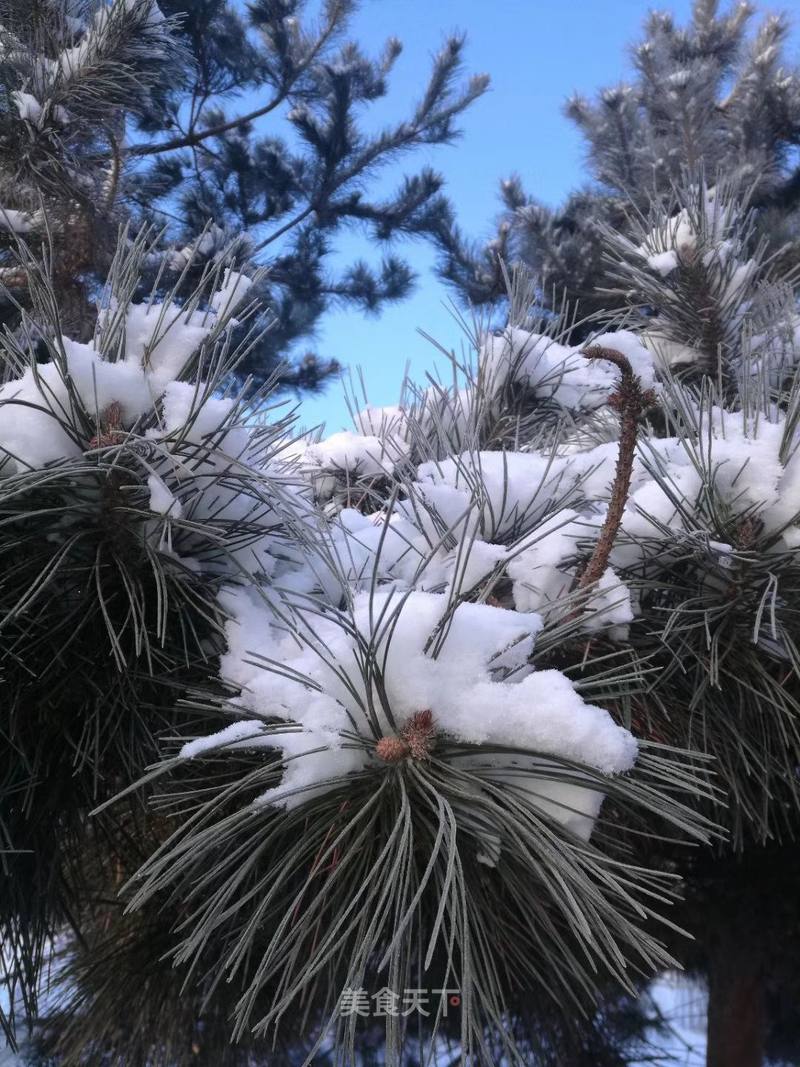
631,401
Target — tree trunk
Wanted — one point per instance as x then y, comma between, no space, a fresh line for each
736,1008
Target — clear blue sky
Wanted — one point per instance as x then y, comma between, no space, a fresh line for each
537,52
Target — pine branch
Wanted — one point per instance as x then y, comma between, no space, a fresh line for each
336,12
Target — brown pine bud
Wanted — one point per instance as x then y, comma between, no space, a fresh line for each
748,532
111,432
392,749
418,733
415,740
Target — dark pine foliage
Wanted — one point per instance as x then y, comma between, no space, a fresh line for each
216,120
710,98
266,139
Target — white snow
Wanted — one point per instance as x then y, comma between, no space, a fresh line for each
71,61
159,344
677,238
663,262
538,571
29,433
162,500
470,670
669,352
19,221
559,372
212,240
362,455
28,107
162,338
470,564
449,584
238,734
232,291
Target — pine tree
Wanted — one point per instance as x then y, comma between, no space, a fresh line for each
105,618
689,235
722,317
465,698
302,750
698,525
706,100
115,113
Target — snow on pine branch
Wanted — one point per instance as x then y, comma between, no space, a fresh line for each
400,580
146,403
693,264
480,687
53,400
371,578
453,532
396,643
121,48
19,221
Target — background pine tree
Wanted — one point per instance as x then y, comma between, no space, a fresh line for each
716,97
214,120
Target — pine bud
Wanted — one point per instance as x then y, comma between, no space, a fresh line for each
392,749
418,734
415,740
111,432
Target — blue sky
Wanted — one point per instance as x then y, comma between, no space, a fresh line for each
537,52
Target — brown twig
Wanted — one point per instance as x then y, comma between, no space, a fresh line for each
631,401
